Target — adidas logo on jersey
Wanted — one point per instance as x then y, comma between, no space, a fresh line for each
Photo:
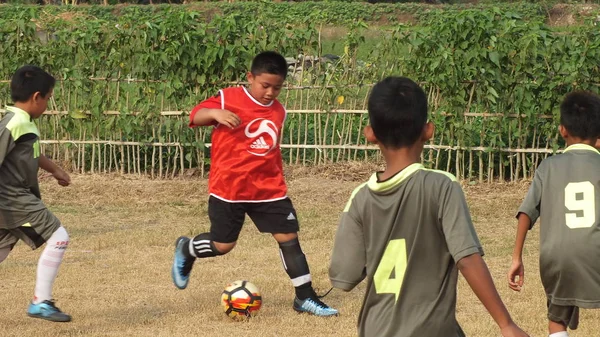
259,144
291,217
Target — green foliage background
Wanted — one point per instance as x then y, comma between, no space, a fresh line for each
495,76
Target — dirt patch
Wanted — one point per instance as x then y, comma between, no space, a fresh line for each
405,18
70,17
207,12
342,171
562,15
396,18
117,9
333,32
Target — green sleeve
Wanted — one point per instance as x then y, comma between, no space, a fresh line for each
6,144
531,203
457,225
348,260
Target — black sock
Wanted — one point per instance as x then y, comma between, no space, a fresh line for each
296,266
202,246
305,291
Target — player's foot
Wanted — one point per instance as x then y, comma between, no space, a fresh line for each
48,311
182,265
313,305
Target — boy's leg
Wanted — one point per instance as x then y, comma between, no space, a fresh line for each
295,264
279,218
559,334
43,227
226,221
48,265
560,318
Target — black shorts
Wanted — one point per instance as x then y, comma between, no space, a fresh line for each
34,228
227,218
566,315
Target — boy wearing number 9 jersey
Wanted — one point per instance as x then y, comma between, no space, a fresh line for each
408,231
565,194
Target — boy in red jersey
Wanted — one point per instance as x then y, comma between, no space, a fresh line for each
246,177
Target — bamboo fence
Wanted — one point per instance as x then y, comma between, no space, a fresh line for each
318,131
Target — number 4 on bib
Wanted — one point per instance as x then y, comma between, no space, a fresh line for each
389,275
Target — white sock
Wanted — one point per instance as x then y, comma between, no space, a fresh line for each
48,265
560,334
191,248
4,253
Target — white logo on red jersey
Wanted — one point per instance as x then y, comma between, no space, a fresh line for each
266,127
259,144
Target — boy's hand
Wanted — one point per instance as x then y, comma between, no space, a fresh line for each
512,330
226,118
516,269
62,177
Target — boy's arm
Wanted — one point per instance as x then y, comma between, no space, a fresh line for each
463,244
475,271
348,260
527,214
517,268
212,111
598,144
205,116
58,173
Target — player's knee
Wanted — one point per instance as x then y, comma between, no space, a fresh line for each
60,238
223,248
63,233
285,237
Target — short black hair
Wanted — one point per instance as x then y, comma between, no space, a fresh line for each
269,62
28,80
580,114
397,111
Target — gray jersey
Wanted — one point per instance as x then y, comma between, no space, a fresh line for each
19,156
405,235
565,194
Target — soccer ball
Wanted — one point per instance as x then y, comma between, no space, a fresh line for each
241,300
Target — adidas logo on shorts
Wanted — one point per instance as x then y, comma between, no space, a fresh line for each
259,144
291,217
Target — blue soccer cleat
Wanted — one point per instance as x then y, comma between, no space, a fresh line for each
48,311
182,265
314,306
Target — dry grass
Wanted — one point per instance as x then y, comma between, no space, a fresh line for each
115,279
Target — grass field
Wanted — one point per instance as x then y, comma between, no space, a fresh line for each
115,278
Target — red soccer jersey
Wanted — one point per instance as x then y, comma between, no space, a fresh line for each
246,163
